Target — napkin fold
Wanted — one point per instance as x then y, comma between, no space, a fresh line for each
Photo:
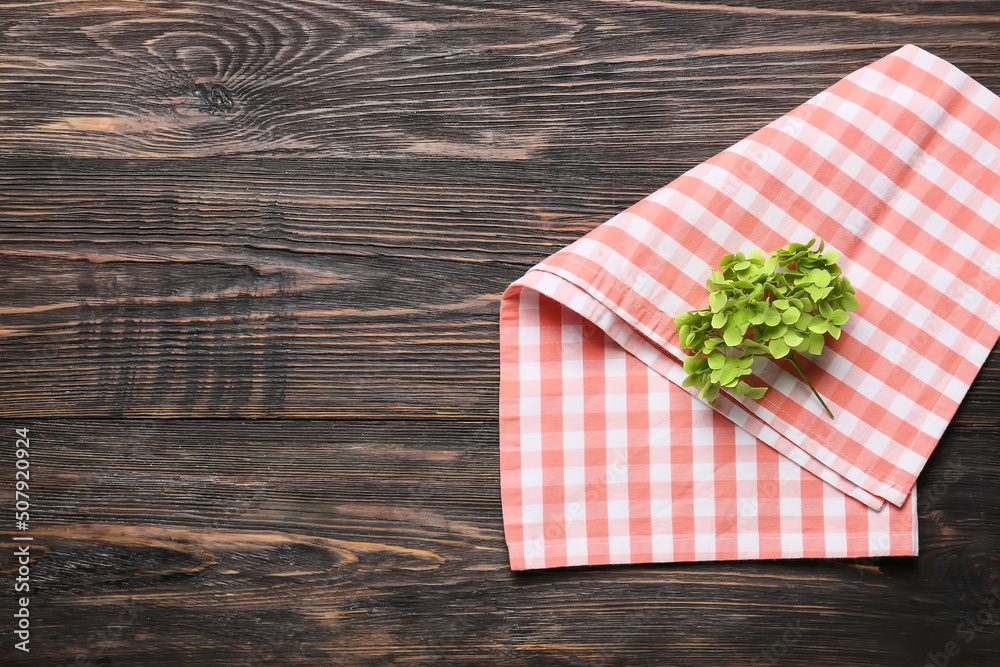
605,458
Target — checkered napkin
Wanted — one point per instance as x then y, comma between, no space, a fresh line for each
605,458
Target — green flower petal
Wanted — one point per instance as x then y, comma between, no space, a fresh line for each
778,348
733,336
791,315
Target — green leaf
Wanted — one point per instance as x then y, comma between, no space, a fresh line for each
793,338
820,277
818,325
716,360
717,301
802,324
687,318
727,376
819,293
733,336
849,302
753,346
710,393
839,317
815,343
692,364
780,304
771,317
757,393
831,257
719,319
778,347
791,315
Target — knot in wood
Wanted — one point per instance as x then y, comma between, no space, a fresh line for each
215,98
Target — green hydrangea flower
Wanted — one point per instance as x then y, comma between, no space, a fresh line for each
773,306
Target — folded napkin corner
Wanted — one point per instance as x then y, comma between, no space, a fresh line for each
606,458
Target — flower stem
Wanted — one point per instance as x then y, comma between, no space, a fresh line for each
803,375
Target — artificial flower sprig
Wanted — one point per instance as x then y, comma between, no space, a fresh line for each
772,306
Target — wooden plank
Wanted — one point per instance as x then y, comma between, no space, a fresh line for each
607,80
215,288
451,147
225,288
209,542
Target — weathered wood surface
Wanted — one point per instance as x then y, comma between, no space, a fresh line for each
306,211
240,289
232,288
584,80
380,542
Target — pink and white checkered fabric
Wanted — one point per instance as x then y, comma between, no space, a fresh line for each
605,458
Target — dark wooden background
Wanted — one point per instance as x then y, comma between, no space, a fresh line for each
251,255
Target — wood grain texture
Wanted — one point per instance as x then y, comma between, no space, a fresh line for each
232,288
380,542
402,78
228,288
304,211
